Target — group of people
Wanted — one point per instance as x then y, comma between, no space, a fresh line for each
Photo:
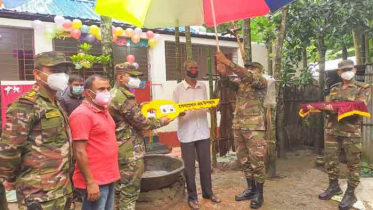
99,129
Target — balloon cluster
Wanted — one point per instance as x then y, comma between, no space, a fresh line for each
91,33
131,59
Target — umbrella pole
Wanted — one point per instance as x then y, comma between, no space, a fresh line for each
215,27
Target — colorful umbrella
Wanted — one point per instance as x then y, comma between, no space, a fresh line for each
171,13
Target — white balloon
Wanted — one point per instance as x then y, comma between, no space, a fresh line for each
38,25
157,37
59,19
136,65
138,31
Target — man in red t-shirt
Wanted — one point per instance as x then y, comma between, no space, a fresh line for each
95,146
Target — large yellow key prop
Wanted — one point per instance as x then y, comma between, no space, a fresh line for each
166,108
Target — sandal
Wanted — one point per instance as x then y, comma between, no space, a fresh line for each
193,204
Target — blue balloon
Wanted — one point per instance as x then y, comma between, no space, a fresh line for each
85,29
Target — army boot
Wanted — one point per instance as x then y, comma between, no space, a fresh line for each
331,191
249,193
348,199
258,200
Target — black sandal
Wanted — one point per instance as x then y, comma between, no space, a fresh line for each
193,204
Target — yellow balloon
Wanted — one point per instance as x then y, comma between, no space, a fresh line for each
118,31
93,29
152,42
98,36
77,23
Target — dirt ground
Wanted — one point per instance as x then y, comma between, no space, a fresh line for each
299,184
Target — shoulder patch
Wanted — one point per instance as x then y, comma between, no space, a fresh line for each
29,97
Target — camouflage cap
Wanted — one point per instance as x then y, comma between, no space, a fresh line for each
346,64
51,58
129,68
255,65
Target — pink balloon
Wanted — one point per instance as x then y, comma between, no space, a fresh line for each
67,24
75,33
150,34
130,58
115,38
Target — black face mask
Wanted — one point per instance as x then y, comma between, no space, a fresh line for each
192,74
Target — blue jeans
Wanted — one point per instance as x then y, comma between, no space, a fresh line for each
105,201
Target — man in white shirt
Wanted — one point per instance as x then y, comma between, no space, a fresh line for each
194,134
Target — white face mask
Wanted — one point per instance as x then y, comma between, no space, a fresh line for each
57,81
348,75
133,82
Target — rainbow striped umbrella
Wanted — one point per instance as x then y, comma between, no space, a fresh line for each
172,13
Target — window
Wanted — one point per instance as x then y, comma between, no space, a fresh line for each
17,53
199,55
70,47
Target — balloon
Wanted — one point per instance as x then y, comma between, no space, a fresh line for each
112,29
135,39
85,29
94,29
136,65
75,33
115,38
67,24
59,19
50,33
58,29
90,38
130,58
138,31
150,34
38,25
129,32
118,31
157,37
77,23
98,35
152,42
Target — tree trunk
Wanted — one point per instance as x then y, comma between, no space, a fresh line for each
188,42
247,40
277,73
322,53
177,55
367,49
269,59
344,52
363,49
358,46
304,58
107,46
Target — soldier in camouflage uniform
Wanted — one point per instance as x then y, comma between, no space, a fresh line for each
130,124
249,126
35,144
345,133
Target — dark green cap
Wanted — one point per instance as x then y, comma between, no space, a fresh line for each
51,58
255,65
346,64
129,68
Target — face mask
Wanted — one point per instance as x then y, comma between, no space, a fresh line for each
192,74
77,90
57,81
348,75
102,98
133,82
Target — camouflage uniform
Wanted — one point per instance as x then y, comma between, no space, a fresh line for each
3,201
345,133
249,124
35,149
130,123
